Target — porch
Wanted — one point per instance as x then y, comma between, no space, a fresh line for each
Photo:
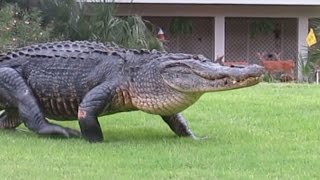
241,42
229,30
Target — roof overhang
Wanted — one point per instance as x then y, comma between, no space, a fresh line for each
219,2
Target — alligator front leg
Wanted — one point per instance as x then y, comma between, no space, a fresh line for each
179,125
15,93
94,102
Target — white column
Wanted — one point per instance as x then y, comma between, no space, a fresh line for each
219,36
303,26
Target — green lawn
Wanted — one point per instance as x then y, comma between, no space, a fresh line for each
269,131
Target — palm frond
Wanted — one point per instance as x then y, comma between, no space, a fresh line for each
97,21
311,62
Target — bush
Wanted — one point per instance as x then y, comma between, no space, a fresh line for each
311,63
71,20
20,27
74,20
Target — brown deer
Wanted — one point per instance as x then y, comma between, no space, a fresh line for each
278,66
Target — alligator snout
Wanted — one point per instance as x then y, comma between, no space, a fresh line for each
256,70
237,66
239,73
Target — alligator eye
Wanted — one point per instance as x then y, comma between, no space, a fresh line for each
195,57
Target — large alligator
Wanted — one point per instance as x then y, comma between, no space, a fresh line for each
83,80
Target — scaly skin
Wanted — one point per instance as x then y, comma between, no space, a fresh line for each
83,80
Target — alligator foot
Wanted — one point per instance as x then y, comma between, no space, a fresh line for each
178,124
91,130
56,130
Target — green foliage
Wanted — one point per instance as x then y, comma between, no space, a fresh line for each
23,4
72,20
78,21
66,17
268,78
19,27
269,131
181,25
262,27
311,62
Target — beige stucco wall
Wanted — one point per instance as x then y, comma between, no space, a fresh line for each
238,2
218,10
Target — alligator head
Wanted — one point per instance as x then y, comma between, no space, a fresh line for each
173,82
191,75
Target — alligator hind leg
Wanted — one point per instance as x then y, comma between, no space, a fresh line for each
15,93
179,125
10,119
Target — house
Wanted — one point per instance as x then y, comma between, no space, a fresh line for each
240,30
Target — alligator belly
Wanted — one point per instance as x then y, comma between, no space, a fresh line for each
60,108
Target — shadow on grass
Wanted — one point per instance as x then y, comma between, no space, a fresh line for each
16,132
137,134
110,135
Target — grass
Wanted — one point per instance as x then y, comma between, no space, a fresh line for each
269,131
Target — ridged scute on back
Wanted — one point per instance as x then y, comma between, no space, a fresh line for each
88,50
183,56
67,49
56,49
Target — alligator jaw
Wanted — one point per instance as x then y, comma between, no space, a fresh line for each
231,83
200,77
234,77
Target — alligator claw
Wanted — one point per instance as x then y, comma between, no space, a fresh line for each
199,138
56,130
73,133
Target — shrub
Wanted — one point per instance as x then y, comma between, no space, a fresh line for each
74,20
311,62
20,27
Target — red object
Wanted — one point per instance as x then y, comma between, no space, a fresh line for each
161,35
284,66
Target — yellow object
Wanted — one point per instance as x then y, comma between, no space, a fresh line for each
311,38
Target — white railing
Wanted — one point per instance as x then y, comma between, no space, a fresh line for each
317,76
